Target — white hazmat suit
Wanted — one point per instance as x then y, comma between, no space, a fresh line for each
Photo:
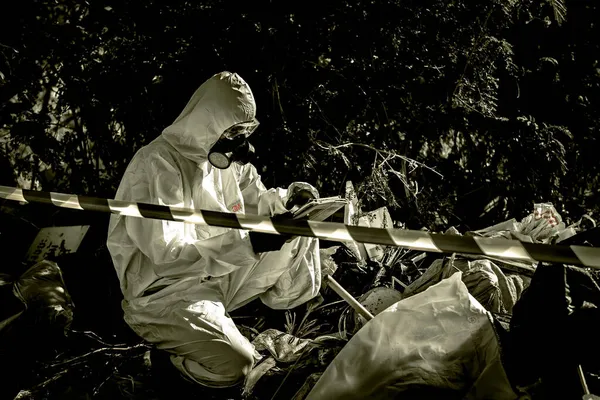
179,280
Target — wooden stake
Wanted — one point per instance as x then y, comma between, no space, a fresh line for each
359,308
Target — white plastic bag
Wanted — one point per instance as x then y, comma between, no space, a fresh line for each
379,218
439,339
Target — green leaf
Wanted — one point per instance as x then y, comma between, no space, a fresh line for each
560,10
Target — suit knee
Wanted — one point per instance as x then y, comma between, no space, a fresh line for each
220,365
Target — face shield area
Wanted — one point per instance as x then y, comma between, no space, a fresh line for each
244,128
233,146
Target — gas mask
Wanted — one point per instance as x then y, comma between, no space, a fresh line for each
233,146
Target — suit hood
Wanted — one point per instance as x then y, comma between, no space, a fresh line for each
222,101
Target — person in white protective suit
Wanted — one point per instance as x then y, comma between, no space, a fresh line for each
180,280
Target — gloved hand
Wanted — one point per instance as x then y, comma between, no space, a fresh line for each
299,198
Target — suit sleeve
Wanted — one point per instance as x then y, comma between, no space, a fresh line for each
257,198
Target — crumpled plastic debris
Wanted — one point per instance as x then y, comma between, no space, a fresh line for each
257,372
543,225
36,311
44,296
351,212
495,290
441,339
328,265
353,215
356,277
283,347
286,348
379,218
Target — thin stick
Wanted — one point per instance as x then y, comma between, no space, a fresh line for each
97,338
114,370
582,380
106,349
328,305
349,299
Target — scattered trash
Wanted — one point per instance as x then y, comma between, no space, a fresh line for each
36,313
287,354
328,265
283,347
257,372
353,215
495,290
45,302
379,218
443,325
443,342
543,225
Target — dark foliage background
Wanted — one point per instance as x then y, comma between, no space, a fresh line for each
500,97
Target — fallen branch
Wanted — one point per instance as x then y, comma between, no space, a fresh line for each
104,349
9,47
114,370
97,338
27,394
359,308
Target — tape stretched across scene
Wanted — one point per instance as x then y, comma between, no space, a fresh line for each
416,240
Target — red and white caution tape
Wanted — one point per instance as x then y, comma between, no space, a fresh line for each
417,240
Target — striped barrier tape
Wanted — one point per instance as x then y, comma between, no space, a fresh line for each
416,240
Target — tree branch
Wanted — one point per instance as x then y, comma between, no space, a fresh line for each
327,121
392,154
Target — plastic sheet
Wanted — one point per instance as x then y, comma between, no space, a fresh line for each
42,295
543,225
440,340
496,291
283,347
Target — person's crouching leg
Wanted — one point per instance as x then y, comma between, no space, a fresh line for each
216,364
211,350
205,345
